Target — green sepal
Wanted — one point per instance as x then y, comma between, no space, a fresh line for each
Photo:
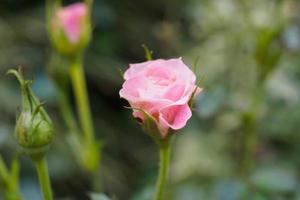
193,96
194,69
89,4
148,52
192,99
195,65
121,72
150,127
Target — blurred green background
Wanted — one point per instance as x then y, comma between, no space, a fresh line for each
249,58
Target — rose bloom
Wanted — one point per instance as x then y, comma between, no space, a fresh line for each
162,88
71,18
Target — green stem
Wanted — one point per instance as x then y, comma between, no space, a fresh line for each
250,133
10,179
66,109
81,95
3,170
164,156
12,194
249,140
42,170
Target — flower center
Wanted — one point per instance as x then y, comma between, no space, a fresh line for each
160,77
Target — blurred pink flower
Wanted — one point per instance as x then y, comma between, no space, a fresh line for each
163,89
71,19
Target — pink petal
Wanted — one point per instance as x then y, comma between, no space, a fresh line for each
183,72
70,18
174,117
135,69
131,87
175,92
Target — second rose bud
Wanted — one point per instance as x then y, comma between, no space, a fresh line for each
70,28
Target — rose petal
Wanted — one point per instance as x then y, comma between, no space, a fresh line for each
135,69
131,87
180,69
70,18
175,92
175,117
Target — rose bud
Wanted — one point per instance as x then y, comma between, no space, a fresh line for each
34,129
70,28
159,92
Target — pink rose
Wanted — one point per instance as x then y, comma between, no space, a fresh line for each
71,18
163,89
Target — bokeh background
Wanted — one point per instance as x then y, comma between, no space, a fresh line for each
249,58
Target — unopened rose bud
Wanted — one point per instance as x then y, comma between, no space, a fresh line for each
70,28
34,129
